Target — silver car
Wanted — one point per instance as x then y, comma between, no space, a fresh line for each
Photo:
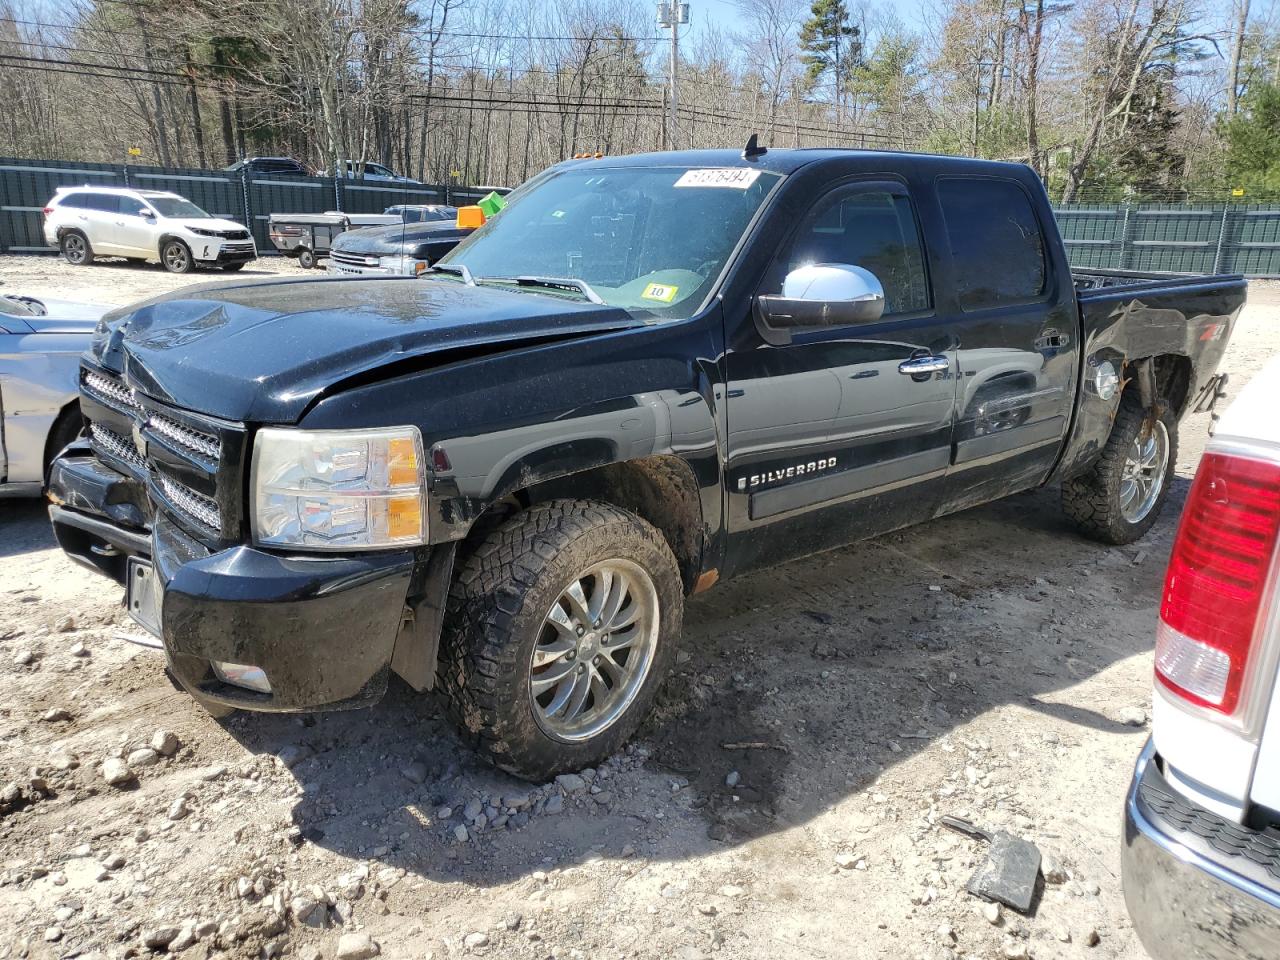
40,346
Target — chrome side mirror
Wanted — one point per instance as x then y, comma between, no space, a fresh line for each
824,295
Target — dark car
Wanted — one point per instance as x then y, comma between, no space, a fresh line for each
270,165
642,377
399,249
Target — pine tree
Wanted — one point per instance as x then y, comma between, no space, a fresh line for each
1253,140
832,47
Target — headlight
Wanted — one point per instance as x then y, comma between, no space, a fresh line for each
338,489
391,263
202,232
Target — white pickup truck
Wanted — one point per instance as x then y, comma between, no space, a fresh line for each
1201,851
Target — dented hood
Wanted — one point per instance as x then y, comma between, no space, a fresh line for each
263,352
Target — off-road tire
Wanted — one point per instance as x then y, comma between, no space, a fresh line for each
172,261
500,595
1091,500
72,256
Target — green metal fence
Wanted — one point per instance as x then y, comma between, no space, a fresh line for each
27,185
1166,237
1174,237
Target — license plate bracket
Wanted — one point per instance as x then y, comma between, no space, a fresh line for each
143,594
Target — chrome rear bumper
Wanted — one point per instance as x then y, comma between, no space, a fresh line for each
1196,886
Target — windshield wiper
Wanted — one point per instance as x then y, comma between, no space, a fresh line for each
456,268
553,283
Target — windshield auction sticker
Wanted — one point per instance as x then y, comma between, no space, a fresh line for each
664,292
735,178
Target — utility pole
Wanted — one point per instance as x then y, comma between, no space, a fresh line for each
670,16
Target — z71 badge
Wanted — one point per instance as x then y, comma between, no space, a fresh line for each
785,473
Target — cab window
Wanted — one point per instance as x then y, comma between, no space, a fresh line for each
868,226
997,248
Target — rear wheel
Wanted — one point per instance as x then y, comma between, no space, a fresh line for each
306,259
176,257
75,248
561,625
1120,497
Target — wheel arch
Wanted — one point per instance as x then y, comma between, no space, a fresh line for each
166,237
69,411
661,489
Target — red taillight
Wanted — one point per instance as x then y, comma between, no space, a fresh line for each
1218,577
48,210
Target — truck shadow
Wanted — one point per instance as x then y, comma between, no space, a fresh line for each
24,526
809,682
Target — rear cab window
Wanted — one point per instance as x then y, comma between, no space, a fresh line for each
996,242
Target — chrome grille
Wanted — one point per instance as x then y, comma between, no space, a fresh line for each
110,390
352,259
117,446
193,504
184,436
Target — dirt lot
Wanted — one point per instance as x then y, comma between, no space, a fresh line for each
991,665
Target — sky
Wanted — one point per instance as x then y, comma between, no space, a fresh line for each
724,14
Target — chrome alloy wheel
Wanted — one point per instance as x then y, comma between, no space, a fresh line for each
176,257
73,247
1143,475
594,650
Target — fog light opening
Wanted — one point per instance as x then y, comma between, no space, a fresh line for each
242,675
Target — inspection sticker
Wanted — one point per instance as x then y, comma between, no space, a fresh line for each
660,291
735,178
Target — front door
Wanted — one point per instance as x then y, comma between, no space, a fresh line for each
135,235
833,436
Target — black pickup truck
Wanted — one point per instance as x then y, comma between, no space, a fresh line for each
644,376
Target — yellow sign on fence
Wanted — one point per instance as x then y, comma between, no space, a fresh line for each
135,151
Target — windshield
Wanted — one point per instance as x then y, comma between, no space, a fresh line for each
651,239
176,207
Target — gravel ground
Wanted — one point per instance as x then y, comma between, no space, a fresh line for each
781,803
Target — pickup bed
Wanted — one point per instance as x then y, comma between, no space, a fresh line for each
644,376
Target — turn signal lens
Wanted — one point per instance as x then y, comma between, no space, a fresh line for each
1218,580
403,466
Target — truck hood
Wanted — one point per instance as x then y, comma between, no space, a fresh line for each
263,352
397,238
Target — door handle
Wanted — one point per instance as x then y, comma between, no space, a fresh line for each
917,366
1051,339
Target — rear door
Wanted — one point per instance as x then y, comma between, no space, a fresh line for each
1010,303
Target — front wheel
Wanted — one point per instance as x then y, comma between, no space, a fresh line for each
176,257
561,625
1120,497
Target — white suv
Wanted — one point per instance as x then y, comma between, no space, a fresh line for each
88,222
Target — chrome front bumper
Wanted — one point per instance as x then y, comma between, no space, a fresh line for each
1196,886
